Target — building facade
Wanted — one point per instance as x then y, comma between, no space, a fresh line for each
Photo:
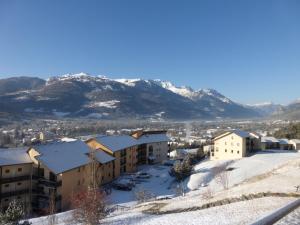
50,174
234,145
15,177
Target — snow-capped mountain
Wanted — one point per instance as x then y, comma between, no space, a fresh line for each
84,95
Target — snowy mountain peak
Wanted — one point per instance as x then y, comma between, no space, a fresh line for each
128,82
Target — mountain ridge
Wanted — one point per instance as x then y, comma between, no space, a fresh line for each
102,97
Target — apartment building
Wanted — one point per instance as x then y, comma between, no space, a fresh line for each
235,144
141,147
63,168
152,146
15,177
50,173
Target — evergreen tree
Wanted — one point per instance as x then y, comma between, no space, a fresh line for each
14,213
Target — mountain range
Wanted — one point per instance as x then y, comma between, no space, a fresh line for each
83,95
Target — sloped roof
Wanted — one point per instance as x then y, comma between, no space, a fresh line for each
102,157
63,156
269,140
297,141
240,133
153,138
284,141
14,156
119,142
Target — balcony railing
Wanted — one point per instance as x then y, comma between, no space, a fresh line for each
14,193
47,183
14,179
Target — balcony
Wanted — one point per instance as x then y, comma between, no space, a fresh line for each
51,184
14,179
47,183
14,193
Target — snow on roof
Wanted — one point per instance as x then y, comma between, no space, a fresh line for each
153,138
119,142
14,157
241,133
269,140
63,156
66,139
103,157
283,141
297,141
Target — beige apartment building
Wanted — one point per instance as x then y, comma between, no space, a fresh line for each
234,145
53,172
15,177
141,147
64,168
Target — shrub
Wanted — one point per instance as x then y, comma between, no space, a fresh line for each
13,214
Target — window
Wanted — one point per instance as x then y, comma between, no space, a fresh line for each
212,154
6,185
238,152
19,183
78,170
231,151
78,183
6,200
109,174
18,197
6,171
225,150
225,143
19,169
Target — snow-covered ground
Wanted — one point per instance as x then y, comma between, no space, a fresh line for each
292,219
267,171
263,172
160,183
236,213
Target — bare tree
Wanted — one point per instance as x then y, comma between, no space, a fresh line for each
143,195
89,206
222,179
221,175
208,193
52,219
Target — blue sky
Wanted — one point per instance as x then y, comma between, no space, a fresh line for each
247,50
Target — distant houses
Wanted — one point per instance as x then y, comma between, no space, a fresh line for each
236,144
55,170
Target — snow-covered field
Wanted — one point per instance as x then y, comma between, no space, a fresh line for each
268,171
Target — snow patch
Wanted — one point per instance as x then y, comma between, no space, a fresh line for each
112,104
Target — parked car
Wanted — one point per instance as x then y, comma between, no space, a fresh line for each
125,184
143,175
